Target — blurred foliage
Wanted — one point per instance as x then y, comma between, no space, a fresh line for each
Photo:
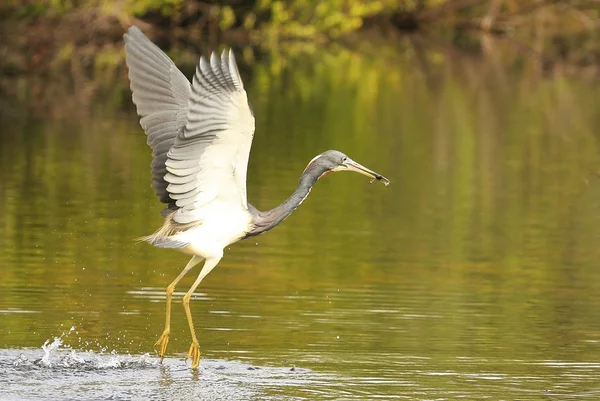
333,18
306,18
39,33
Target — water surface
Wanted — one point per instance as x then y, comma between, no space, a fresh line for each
474,275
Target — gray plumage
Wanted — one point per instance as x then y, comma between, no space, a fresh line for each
161,93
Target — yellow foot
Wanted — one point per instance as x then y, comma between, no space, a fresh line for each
161,344
194,353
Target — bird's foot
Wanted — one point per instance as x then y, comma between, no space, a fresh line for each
161,344
194,353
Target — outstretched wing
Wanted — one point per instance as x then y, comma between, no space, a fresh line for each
209,158
161,93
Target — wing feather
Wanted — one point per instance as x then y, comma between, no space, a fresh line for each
160,93
200,134
208,160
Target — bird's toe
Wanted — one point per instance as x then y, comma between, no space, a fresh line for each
194,354
161,345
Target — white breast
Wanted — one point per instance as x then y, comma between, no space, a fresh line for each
221,226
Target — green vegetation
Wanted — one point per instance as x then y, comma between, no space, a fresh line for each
332,18
43,33
83,37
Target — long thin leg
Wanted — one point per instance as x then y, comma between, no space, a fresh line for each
194,351
163,341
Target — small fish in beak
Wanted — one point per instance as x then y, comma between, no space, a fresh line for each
351,165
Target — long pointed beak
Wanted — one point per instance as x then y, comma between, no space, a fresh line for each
351,165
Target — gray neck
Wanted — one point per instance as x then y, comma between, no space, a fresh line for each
264,221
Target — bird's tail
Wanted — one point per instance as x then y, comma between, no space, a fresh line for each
166,236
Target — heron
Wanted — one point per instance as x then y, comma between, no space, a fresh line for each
200,134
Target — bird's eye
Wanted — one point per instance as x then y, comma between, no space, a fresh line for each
344,159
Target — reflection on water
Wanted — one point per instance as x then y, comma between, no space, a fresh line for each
473,274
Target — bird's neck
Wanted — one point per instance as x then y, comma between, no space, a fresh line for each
264,221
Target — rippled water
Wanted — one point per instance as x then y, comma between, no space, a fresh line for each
474,275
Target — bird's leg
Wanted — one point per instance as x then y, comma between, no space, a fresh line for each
163,341
194,351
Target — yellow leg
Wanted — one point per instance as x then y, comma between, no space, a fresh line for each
194,351
163,341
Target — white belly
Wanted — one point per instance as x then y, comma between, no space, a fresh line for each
221,226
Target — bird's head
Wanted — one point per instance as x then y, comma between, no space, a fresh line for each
333,160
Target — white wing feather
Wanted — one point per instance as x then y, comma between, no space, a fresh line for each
208,160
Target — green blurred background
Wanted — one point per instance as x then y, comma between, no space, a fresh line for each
475,272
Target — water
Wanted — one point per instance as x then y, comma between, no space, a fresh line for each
473,275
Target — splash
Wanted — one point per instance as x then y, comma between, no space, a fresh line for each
58,355
53,347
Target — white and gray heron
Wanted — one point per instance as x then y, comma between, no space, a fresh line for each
200,135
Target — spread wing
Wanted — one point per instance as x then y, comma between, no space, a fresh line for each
161,94
200,135
209,157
